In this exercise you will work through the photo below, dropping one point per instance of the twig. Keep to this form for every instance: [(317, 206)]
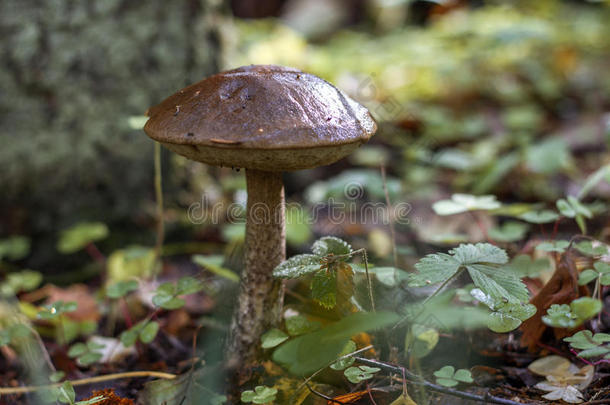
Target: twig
[(415, 379), (90, 380), (368, 280), (159, 200), (391, 219), (326, 397)]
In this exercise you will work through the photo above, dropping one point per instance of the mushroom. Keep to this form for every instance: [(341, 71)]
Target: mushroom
[(266, 119)]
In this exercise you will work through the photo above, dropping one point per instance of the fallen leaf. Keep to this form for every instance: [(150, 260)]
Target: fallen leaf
[(562, 288)]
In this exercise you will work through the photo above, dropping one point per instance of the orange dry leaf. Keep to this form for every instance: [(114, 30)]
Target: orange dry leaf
[(562, 288)]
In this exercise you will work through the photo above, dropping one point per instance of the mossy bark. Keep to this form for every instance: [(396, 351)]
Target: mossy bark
[(260, 297)]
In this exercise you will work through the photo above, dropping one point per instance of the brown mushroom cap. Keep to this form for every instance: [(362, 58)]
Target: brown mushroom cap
[(262, 117)]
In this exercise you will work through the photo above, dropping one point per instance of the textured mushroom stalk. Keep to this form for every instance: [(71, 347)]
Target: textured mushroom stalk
[(260, 297)]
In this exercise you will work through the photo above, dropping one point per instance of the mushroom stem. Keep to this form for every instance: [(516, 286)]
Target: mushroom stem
[(261, 295)]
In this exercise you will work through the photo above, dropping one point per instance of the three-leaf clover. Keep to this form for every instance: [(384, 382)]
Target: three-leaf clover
[(260, 395), (54, 310), (449, 377), (360, 373), (167, 294), (590, 344), (145, 331), (600, 272), (570, 316), (86, 354)]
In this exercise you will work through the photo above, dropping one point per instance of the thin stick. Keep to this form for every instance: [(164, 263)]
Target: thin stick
[(391, 219), (368, 280), (159, 200), (415, 379), (91, 380), (326, 397)]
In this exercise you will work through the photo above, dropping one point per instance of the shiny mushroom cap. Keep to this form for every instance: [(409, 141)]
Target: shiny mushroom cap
[(262, 117)]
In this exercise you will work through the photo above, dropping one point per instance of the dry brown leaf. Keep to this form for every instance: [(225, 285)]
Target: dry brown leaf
[(87, 307), (562, 288)]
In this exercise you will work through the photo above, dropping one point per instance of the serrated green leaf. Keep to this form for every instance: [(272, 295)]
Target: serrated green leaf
[(324, 288), (328, 245), (297, 266)]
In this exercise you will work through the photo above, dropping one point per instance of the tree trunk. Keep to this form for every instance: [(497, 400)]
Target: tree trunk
[(260, 298)]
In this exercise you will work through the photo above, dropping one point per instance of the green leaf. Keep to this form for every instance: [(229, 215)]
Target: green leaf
[(601, 174), (585, 308), (57, 308), (560, 316), (80, 235), (555, 246), (307, 353), (260, 395), (463, 375), (298, 325), (465, 202), (149, 332), (66, 393), (122, 288), (214, 264), (129, 337), (481, 261), (421, 340), (297, 266), (134, 261), (587, 276), (77, 349), (448, 377), (273, 338), (342, 364), (14, 248), (524, 266), (501, 323), (331, 245), (510, 231), (539, 217), (188, 285), (360, 373), (565, 208), (445, 372), (586, 248), (324, 288)]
